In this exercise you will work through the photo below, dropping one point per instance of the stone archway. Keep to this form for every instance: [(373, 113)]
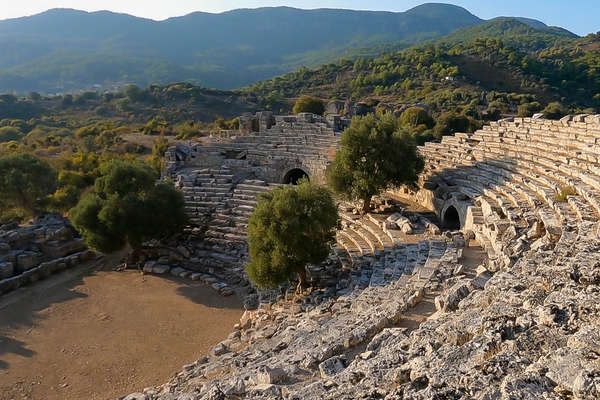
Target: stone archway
[(451, 219), (293, 176)]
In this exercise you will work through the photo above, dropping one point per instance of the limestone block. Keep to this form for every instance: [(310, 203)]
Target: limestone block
[(448, 301), (587, 385), (149, 266), (26, 261), (160, 269), (219, 350), (268, 375), (7, 269), (331, 367)]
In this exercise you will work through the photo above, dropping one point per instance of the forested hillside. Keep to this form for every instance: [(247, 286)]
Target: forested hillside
[(485, 77)]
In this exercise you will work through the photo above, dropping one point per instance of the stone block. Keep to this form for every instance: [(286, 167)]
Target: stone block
[(7, 269), (26, 261), (160, 269), (331, 367), (267, 375)]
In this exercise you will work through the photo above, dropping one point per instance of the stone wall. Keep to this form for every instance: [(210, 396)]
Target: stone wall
[(33, 252)]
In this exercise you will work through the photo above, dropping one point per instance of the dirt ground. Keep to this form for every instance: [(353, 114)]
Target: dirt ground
[(106, 334)]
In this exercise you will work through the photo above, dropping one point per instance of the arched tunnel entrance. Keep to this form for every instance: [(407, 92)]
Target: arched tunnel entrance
[(294, 176), (451, 219)]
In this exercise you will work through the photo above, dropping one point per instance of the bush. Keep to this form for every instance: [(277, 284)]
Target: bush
[(9, 133), (565, 191), (416, 116), (555, 111), (308, 104), (291, 227), (528, 109), (375, 154), (127, 207), (449, 123)]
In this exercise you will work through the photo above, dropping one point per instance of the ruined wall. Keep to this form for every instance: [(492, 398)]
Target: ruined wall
[(267, 147), (33, 252)]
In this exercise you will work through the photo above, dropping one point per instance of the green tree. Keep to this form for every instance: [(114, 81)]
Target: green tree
[(308, 104), (291, 227), (127, 207), (26, 182), (416, 116), (375, 154)]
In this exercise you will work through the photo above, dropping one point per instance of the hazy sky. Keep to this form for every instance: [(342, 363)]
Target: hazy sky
[(579, 16)]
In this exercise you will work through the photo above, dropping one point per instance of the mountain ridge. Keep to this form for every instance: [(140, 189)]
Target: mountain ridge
[(65, 50)]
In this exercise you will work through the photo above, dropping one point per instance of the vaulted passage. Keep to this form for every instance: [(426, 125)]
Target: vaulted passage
[(294, 176), (451, 220)]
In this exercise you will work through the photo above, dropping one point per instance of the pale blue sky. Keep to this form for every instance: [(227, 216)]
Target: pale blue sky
[(579, 16)]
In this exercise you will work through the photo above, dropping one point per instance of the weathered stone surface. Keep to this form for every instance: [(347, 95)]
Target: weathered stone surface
[(331, 367), (160, 269)]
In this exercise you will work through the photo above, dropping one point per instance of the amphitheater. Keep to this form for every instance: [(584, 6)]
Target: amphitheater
[(524, 325), (398, 311)]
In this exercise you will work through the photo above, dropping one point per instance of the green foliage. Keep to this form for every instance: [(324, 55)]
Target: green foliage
[(127, 207), (554, 111), (308, 104), (160, 146), (565, 191), (26, 181), (449, 123), (416, 116), (8, 133), (291, 227), (156, 126), (528, 109), (375, 154)]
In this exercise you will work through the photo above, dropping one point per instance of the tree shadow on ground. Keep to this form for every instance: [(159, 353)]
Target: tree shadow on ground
[(201, 293), (24, 307)]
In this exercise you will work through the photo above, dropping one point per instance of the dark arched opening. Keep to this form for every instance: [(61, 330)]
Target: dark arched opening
[(451, 219), (293, 176)]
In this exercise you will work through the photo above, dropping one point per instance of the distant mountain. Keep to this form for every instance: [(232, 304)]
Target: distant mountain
[(523, 33), (63, 50)]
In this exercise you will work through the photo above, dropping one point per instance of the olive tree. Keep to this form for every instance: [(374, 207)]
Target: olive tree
[(375, 154), (126, 206), (291, 227)]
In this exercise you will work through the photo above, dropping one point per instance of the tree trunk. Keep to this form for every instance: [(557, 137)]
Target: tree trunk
[(301, 281), (366, 205)]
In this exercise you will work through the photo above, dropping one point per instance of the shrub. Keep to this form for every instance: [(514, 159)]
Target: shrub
[(308, 104), (555, 111), (528, 109), (416, 116), (9, 133), (565, 191)]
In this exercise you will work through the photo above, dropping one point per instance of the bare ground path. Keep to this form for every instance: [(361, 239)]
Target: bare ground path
[(104, 334)]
